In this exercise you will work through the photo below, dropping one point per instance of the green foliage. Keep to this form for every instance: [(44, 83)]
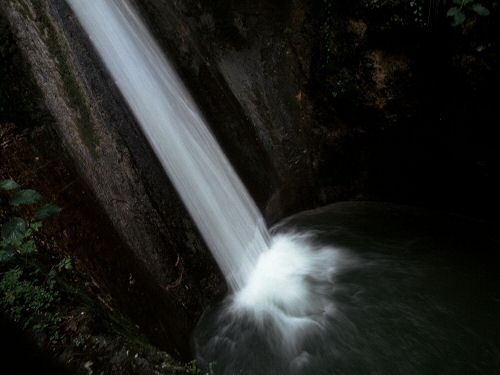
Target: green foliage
[(480, 10), (25, 300), (65, 264), (458, 16), (193, 368), (420, 12), (13, 229), (465, 10), (17, 232), (28, 293), (26, 197), (48, 297), (17, 238), (8, 185), (46, 212)]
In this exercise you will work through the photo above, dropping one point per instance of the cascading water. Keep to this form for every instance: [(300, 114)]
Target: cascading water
[(301, 305), (222, 209), (225, 214)]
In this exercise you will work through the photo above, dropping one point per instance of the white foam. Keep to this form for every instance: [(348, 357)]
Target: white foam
[(291, 288)]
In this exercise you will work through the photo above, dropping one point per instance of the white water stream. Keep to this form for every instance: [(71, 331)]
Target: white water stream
[(221, 207), (272, 284)]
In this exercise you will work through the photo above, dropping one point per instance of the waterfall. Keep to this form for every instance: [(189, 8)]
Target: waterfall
[(216, 199), (331, 293)]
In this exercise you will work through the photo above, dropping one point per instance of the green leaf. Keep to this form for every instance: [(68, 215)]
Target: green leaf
[(452, 11), (480, 10), (458, 16), (459, 19), (65, 264), (27, 196), (47, 211), (27, 247), (14, 229), (35, 226), (8, 185), (462, 2), (6, 255)]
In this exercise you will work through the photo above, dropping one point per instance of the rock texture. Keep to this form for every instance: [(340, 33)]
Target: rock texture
[(248, 65), (113, 158)]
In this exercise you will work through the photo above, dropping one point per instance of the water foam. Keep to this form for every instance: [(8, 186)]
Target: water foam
[(286, 304), (291, 288), (284, 276)]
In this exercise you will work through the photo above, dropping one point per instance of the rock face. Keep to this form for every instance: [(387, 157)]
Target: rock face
[(313, 102), (321, 101), (248, 64), (113, 158)]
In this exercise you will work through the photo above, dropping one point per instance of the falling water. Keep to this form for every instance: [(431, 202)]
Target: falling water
[(222, 209), (270, 280)]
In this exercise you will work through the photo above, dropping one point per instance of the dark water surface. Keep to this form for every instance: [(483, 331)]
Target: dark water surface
[(422, 297)]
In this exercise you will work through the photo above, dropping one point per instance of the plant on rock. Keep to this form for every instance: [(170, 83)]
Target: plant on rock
[(27, 289), (17, 232), (467, 9)]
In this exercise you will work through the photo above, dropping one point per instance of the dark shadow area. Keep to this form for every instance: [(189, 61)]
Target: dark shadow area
[(409, 105), (20, 355)]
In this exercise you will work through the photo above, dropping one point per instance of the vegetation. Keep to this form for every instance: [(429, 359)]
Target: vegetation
[(467, 10), (45, 295), (28, 292), (349, 30)]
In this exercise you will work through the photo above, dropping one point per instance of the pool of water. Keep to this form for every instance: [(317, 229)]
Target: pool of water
[(379, 289)]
